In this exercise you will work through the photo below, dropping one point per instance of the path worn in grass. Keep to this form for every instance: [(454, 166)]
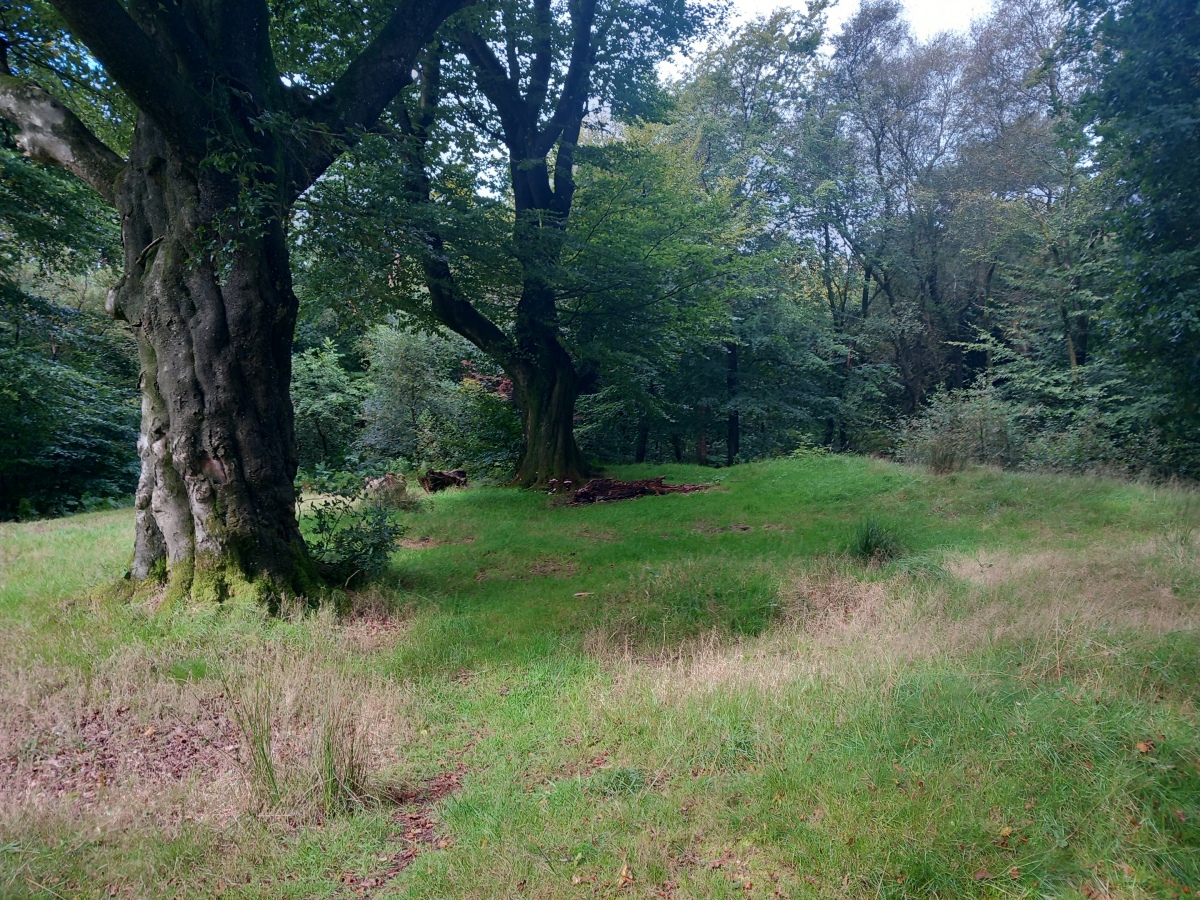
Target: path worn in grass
[(685, 696)]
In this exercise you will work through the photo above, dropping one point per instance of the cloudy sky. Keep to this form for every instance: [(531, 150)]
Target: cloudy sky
[(927, 16)]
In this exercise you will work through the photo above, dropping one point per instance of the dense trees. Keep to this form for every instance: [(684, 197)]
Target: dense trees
[(1145, 105), (67, 420)]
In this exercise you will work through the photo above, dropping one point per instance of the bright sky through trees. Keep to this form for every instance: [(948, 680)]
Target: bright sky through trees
[(928, 17)]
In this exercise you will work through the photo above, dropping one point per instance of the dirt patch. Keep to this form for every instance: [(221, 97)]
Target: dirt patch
[(416, 829), (421, 543), (368, 633), (735, 528), (113, 751), (597, 536), (556, 568)]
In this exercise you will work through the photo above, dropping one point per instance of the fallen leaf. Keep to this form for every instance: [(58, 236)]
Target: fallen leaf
[(149, 731), (626, 877), (983, 875), (1145, 746), (1005, 831), (1014, 873)]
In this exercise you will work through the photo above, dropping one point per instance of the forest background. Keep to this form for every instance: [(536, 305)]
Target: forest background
[(979, 248)]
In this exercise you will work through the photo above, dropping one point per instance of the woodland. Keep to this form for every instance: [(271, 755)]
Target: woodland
[(888, 347), (250, 246)]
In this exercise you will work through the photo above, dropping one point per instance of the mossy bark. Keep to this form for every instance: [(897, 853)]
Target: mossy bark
[(213, 310)]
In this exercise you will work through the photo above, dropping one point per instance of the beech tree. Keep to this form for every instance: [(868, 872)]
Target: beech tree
[(220, 145), (538, 71)]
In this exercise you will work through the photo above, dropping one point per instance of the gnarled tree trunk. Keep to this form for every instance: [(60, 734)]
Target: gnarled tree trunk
[(214, 314)]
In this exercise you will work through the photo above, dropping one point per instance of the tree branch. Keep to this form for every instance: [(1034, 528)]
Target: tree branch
[(543, 55), (494, 81), (53, 134), (370, 83), (131, 57), (446, 301), (575, 88)]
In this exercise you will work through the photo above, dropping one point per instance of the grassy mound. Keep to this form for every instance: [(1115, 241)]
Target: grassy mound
[(830, 677)]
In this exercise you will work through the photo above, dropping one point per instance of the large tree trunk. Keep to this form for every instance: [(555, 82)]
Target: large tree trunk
[(546, 390), (212, 306)]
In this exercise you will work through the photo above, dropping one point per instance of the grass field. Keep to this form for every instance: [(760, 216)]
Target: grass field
[(708, 695)]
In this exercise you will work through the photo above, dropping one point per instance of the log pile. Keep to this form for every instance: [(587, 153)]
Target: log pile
[(605, 490), (434, 481)]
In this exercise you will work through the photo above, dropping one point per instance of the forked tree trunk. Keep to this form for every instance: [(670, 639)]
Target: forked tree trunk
[(214, 314)]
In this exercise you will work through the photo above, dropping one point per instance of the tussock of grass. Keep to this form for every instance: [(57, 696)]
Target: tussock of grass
[(692, 696)]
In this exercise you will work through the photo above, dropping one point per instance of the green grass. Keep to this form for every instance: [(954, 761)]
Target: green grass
[(706, 695)]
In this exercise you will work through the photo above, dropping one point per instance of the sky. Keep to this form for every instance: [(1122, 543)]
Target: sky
[(927, 17)]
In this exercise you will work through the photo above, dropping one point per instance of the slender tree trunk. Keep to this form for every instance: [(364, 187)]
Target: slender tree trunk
[(643, 442), (733, 427), (215, 501)]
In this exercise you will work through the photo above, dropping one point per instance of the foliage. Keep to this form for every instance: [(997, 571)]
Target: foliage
[(351, 534), (413, 377), (327, 400), (68, 417), (477, 429), (1145, 108)]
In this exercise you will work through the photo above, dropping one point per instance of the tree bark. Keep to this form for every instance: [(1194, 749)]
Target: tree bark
[(215, 501), (733, 424), (643, 442), (546, 388)]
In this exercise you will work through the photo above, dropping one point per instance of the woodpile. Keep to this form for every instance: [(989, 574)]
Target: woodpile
[(606, 490), (434, 481)]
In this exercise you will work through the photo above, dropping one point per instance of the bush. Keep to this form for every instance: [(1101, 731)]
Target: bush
[(480, 431), (436, 403), (350, 531), (328, 400), (962, 427)]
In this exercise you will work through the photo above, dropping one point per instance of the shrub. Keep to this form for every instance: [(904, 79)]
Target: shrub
[(350, 531), (328, 400), (961, 427)]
